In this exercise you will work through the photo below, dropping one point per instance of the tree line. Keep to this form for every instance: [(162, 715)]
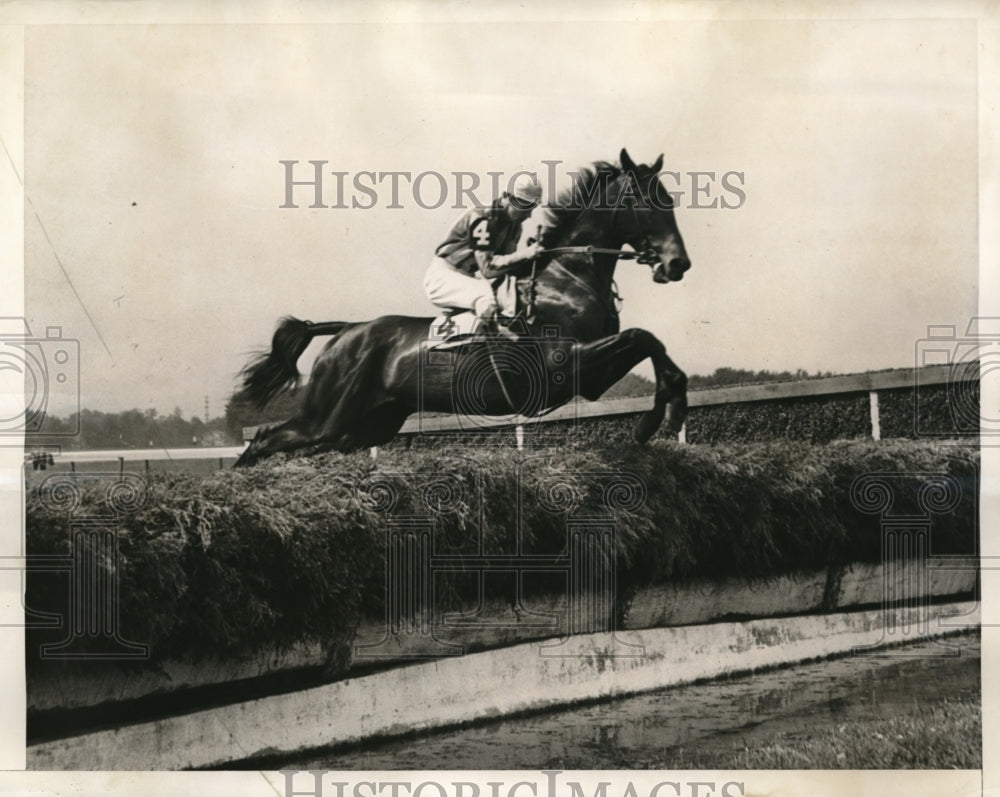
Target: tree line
[(147, 429), (93, 429)]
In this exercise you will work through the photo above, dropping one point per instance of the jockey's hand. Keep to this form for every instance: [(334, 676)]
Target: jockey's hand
[(515, 263), (525, 254), (486, 310)]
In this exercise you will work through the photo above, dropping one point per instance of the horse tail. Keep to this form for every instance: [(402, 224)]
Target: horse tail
[(274, 372)]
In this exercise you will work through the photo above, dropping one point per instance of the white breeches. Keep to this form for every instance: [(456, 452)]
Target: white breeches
[(449, 288)]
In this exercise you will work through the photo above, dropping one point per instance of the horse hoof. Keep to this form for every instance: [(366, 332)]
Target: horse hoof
[(648, 423), (676, 417), (675, 424)]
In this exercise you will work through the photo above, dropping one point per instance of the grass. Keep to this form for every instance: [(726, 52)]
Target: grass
[(941, 735)]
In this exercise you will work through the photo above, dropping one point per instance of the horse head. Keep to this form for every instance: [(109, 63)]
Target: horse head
[(608, 205), (648, 224)]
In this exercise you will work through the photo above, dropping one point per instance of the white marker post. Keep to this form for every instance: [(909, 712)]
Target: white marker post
[(873, 408)]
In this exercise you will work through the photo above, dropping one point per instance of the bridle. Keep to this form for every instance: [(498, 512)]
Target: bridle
[(643, 253)]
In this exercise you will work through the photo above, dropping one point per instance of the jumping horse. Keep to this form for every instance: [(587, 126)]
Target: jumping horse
[(372, 375)]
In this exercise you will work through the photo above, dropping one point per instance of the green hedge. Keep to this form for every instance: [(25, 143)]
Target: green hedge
[(290, 550), (933, 412), (815, 419)]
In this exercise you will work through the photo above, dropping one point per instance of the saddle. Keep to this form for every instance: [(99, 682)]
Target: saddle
[(456, 328), (454, 324), (462, 328)]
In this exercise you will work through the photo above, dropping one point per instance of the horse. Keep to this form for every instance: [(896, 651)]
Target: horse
[(372, 375)]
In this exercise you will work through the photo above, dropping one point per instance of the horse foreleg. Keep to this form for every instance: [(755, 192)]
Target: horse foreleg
[(605, 361)]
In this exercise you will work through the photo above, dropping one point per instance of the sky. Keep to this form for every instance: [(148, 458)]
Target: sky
[(154, 233)]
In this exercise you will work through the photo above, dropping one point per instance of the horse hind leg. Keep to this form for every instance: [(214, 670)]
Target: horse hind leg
[(288, 436), (352, 428)]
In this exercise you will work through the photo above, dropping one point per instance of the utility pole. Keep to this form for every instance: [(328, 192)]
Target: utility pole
[(206, 409)]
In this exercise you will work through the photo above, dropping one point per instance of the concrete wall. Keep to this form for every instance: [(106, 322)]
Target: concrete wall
[(516, 679), (68, 686)]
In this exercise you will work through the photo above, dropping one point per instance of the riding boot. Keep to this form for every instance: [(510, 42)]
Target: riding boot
[(492, 327), (506, 332)]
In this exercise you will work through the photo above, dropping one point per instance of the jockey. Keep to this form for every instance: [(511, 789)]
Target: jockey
[(482, 247)]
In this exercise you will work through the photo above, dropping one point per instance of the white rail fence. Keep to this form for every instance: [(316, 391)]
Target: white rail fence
[(870, 383), (834, 386)]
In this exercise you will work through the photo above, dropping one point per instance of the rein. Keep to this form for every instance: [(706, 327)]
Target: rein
[(622, 254), (499, 376), (644, 252)]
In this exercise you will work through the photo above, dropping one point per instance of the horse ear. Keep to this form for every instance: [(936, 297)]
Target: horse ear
[(628, 164), (658, 165)]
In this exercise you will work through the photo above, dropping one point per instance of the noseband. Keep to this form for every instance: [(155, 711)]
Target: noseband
[(647, 255)]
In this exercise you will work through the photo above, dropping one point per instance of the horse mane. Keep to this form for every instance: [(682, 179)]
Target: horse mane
[(562, 212)]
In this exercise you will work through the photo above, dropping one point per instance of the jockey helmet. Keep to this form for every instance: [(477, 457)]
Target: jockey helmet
[(525, 191)]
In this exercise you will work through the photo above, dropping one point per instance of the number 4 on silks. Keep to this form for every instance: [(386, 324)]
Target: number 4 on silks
[(480, 234)]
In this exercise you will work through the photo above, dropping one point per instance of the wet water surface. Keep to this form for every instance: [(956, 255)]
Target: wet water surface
[(717, 716)]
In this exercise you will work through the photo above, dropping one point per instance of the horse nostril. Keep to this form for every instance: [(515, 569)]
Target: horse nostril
[(681, 264)]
